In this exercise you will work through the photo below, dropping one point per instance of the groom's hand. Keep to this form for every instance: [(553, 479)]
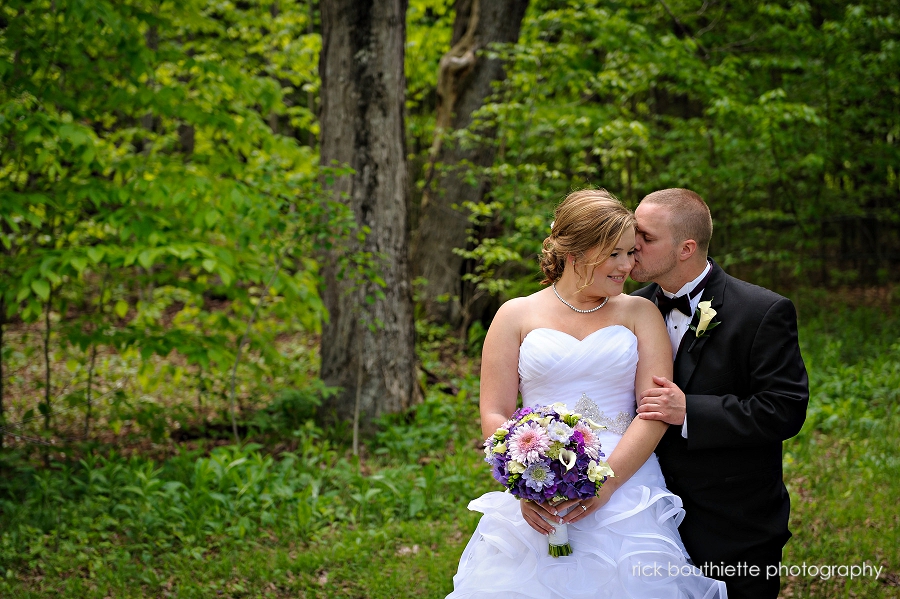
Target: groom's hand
[(665, 402)]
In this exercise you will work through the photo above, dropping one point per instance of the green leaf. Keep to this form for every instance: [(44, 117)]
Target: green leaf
[(121, 308), (32, 135), (95, 254), (226, 275), (79, 263), (212, 217), (146, 258), (41, 288)]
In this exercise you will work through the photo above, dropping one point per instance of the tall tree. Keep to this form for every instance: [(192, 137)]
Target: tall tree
[(465, 81), (368, 342)]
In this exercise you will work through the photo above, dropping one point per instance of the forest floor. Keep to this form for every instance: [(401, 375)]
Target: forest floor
[(297, 515)]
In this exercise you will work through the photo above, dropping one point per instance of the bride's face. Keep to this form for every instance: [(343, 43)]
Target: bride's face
[(610, 274)]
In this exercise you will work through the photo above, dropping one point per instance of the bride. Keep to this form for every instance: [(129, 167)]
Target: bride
[(584, 343)]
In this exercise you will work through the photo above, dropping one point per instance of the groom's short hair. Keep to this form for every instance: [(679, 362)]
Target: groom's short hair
[(689, 215)]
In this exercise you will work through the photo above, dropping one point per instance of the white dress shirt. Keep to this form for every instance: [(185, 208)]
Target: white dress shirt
[(677, 323)]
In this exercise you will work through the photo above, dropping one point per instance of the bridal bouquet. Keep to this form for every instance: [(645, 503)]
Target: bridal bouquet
[(548, 454)]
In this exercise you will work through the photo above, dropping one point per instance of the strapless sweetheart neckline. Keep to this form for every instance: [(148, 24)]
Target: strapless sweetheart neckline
[(585, 338)]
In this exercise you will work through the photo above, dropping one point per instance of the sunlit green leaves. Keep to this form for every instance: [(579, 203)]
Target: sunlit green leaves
[(155, 158), (42, 288), (782, 115)]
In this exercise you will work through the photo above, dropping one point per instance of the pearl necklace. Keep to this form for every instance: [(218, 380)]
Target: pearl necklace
[(606, 299)]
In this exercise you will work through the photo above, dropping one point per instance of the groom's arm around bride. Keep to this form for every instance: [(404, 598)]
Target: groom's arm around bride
[(739, 389)]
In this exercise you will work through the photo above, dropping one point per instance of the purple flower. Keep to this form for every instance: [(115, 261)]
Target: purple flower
[(586, 488), (578, 438), (571, 476), (498, 471), (590, 440), (520, 413), (489, 456), (538, 475)]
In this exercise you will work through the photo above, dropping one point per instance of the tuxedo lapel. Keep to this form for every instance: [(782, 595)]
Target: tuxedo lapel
[(691, 347), (649, 292)]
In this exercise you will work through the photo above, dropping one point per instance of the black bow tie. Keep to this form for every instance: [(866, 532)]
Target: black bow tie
[(666, 304), (682, 303)]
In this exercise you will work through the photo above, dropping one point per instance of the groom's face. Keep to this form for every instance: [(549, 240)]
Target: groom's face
[(655, 253)]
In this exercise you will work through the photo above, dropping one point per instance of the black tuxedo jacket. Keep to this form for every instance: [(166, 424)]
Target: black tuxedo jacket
[(747, 390)]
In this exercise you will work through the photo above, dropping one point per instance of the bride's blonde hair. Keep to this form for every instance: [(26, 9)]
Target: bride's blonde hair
[(586, 220)]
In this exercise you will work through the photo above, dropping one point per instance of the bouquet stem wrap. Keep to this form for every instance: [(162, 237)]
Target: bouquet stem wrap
[(559, 538)]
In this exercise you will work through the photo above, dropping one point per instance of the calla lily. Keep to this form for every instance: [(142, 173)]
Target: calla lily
[(567, 457), (594, 425), (500, 448), (706, 316), (561, 409)]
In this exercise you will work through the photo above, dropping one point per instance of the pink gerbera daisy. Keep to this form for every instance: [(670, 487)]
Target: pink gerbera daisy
[(591, 441), (528, 443)]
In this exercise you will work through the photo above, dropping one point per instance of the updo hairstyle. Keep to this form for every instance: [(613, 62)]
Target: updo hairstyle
[(587, 220)]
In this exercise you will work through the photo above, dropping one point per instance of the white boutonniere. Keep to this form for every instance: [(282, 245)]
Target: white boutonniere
[(706, 314), (705, 323)]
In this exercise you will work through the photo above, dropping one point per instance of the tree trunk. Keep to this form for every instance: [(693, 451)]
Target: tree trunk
[(2, 406), (367, 338), (464, 83), (48, 408)]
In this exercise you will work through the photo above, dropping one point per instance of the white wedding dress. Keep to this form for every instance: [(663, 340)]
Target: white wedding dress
[(628, 548)]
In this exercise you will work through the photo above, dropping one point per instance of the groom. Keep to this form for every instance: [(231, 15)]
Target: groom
[(740, 389)]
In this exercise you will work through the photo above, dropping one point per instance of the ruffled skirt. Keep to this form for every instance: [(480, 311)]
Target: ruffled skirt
[(628, 548)]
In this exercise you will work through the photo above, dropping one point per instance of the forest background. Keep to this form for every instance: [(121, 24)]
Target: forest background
[(249, 252)]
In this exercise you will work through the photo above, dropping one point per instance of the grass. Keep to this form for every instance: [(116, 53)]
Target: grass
[(316, 522), (843, 469), (403, 559)]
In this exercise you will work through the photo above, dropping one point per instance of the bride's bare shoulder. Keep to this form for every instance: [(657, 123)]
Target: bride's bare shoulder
[(642, 315), (637, 313), (641, 305), (519, 307), (518, 312)]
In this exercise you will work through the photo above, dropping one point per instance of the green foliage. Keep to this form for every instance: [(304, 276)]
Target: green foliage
[(313, 521), (429, 26), (427, 430), (854, 370), (154, 191), (783, 116), (842, 470), (290, 409), (111, 511)]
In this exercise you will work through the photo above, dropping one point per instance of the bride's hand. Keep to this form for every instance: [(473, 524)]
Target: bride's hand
[(532, 512), (582, 507)]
